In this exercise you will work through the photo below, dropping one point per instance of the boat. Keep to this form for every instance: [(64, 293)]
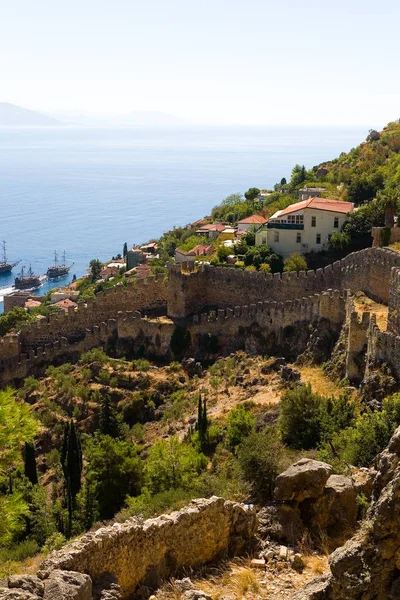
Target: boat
[(5, 266), (27, 281), (58, 269)]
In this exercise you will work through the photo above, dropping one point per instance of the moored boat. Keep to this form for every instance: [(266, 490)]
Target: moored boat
[(27, 281), (58, 269), (5, 266)]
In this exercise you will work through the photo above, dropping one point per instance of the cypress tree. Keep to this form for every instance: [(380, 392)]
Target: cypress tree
[(30, 463), (125, 251), (71, 461), (202, 422), (109, 422)]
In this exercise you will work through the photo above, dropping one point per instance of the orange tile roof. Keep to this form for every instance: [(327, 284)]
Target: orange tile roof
[(32, 303), (319, 204), (253, 219), (66, 303), (212, 227), (199, 250)]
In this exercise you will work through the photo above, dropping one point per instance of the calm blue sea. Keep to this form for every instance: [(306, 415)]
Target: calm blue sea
[(88, 191)]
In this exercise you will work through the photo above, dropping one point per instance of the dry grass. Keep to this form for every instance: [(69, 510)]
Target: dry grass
[(364, 304), (320, 383), (316, 564)]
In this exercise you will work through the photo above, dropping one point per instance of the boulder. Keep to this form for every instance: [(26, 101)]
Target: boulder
[(317, 589), (28, 583), (335, 512), (17, 594), (67, 585), (282, 523), (304, 479)]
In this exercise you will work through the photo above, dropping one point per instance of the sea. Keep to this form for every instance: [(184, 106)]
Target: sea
[(87, 191)]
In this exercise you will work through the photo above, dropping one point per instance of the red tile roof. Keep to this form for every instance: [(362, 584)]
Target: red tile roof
[(253, 220), (319, 204), (66, 303), (199, 250), (32, 304), (212, 227)]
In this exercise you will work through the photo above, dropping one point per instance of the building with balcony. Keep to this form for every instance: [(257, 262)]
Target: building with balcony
[(304, 226)]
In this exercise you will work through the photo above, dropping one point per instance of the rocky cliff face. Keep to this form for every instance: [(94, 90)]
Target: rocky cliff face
[(367, 567)]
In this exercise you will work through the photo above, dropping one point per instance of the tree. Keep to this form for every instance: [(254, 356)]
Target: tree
[(202, 423), (125, 250), (283, 181), (240, 424), (13, 320), (172, 465), (252, 194), (17, 426), (30, 463), (295, 262), (109, 422), (114, 472), (71, 462), (95, 269), (260, 456)]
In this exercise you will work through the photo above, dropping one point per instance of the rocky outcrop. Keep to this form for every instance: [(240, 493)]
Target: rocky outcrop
[(367, 567), (310, 500)]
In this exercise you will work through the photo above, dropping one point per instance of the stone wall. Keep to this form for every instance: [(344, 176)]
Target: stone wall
[(136, 553), (190, 291)]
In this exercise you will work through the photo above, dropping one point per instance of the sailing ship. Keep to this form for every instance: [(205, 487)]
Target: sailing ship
[(5, 266), (58, 269), (27, 281)]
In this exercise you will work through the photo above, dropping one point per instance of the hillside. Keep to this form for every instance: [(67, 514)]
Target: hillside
[(16, 116)]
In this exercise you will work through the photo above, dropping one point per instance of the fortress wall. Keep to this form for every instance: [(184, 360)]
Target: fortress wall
[(143, 295), (191, 291), (357, 341), (394, 302), (145, 553)]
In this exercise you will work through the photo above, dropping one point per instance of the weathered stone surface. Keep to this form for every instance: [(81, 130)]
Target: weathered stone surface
[(335, 512), (196, 595), (17, 594), (318, 589), (29, 583), (138, 553), (184, 585), (67, 585), (304, 479), (282, 523), (363, 480), (367, 567)]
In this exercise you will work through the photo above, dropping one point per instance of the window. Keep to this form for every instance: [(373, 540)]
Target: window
[(318, 239), (298, 238), (296, 219), (313, 221), (276, 236), (336, 222)]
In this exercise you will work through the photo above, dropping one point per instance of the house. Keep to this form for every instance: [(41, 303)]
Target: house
[(62, 294), (65, 305), (304, 227), (309, 192), (248, 222), (211, 230), (142, 271), (150, 248), (191, 255), (109, 271), (32, 304)]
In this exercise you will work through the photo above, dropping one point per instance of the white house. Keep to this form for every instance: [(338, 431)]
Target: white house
[(245, 224), (304, 227)]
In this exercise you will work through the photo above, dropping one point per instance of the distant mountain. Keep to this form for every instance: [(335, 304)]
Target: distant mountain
[(16, 116), (133, 119)]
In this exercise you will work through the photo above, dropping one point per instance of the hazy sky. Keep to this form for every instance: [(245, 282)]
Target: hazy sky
[(220, 61)]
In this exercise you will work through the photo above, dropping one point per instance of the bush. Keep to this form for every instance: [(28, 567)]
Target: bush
[(95, 355), (295, 262), (306, 419), (180, 340), (259, 456), (141, 364), (240, 424)]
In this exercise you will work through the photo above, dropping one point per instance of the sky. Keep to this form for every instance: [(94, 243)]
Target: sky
[(245, 62)]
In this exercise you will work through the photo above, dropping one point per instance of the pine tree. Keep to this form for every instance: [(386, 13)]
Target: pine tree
[(30, 463), (109, 422), (125, 251), (71, 461)]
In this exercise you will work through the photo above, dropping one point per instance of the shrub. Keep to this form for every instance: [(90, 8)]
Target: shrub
[(95, 355), (54, 542), (259, 456), (141, 364), (180, 340), (240, 424)]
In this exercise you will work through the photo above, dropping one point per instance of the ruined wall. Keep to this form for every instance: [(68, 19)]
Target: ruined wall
[(190, 291), (357, 342), (145, 553)]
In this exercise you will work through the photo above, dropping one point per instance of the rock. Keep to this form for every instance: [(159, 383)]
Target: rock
[(282, 523), (257, 563), (196, 595), (184, 585), (304, 479), (335, 512), (29, 583), (143, 593), (17, 594), (67, 585), (283, 552), (289, 374), (297, 562), (363, 480), (269, 555), (317, 589)]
